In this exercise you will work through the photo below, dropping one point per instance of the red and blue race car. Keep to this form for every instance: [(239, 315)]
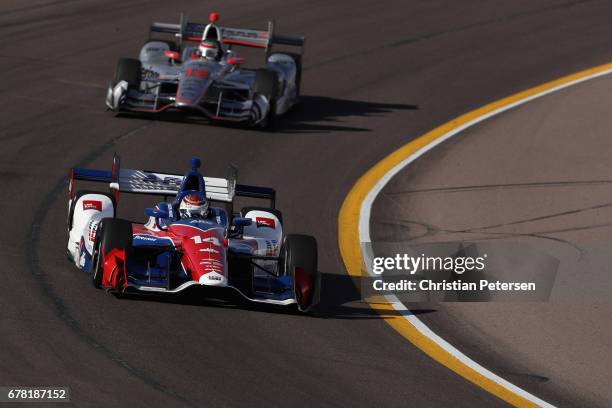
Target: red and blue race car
[(215, 250)]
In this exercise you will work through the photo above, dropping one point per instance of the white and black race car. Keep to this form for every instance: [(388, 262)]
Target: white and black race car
[(199, 73)]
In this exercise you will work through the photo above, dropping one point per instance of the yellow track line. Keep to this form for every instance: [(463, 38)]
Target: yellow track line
[(349, 234)]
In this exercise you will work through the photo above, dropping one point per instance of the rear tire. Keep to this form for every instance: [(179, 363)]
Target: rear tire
[(129, 70), (172, 44), (80, 194), (300, 251), (298, 71), (274, 211), (112, 233)]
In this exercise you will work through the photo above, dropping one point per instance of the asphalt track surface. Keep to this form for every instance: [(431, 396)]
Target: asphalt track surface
[(547, 200), (374, 78)]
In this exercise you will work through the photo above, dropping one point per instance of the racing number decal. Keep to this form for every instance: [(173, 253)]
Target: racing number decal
[(198, 240)]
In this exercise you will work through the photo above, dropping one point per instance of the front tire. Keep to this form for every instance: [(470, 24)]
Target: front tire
[(300, 262), (128, 70), (266, 84), (112, 233)]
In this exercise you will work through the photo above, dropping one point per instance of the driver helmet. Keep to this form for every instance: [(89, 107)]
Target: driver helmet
[(194, 205), (210, 50)]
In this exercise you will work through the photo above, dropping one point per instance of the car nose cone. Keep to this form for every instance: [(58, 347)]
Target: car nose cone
[(213, 279)]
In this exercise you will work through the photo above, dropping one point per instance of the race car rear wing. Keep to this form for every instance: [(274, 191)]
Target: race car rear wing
[(163, 184), (186, 31)]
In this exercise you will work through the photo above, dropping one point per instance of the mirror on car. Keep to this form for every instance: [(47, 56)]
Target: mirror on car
[(173, 55), (235, 61), (241, 222), (157, 213)]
